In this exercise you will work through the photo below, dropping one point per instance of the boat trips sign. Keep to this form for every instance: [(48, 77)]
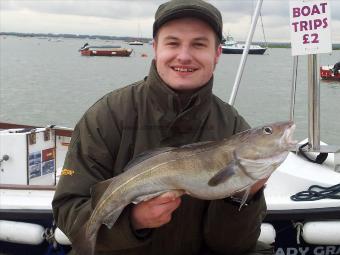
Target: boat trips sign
[(310, 27)]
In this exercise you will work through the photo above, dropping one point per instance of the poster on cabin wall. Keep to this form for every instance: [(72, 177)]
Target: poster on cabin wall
[(41, 167), (48, 157), (310, 25), (41, 157), (34, 164)]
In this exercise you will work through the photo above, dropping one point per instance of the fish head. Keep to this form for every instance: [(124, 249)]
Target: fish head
[(276, 136), (264, 148)]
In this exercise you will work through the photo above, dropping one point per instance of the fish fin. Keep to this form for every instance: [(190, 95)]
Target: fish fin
[(252, 168), (223, 174), (111, 218), (84, 243), (176, 193), (145, 155), (194, 145), (244, 198), (147, 197)]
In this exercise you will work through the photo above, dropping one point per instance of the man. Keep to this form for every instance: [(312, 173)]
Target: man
[(336, 68), (173, 106)]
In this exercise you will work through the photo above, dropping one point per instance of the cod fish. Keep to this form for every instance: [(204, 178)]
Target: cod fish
[(206, 170)]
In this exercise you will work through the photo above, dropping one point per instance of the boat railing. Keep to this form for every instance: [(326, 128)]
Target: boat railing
[(60, 130), (27, 187)]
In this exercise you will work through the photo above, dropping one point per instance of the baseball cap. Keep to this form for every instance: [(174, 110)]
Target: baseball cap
[(200, 9)]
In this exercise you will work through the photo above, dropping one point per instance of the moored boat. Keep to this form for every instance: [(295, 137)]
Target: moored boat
[(327, 73), (229, 46), (139, 43), (105, 50), (239, 48)]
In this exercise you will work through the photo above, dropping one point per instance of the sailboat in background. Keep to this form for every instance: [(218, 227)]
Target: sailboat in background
[(137, 42), (230, 46)]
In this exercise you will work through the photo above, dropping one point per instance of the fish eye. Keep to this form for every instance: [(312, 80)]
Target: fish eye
[(267, 130)]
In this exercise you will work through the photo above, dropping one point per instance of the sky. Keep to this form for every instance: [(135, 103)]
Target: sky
[(135, 17)]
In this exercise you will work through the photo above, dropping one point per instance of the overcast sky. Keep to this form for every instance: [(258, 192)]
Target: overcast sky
[(135, 18)]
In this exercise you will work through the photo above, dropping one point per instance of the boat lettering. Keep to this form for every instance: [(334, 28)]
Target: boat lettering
[(326, 250), (317, 250), (292, 251)]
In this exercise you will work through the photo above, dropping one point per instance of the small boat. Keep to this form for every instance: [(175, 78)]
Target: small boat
[(229, 46), (328, 73), (105, 50), (136, 43)]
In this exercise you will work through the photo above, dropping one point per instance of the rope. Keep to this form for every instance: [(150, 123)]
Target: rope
[(317, 192), (264, 35), (319, 159), (262, 26), (53, 247), (299, 230)]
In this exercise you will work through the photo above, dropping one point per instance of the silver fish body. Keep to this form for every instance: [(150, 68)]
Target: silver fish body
[(208, 170)]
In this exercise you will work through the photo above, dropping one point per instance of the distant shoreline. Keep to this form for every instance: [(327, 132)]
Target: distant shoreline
[(336, 46), (74, 36)]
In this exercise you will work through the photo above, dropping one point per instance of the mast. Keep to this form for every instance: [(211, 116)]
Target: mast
[(245, 52)]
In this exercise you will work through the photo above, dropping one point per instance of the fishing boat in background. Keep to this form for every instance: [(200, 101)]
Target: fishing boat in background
[(230, 46), (328, 73), (105, 50), (137, 40)]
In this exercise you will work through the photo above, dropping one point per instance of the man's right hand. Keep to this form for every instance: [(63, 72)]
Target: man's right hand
[(155, 212)]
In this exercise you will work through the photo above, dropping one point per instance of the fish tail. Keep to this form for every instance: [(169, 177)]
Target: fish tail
[(84, 242)]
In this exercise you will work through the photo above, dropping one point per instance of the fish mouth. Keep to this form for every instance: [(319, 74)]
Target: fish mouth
[(288, 137)]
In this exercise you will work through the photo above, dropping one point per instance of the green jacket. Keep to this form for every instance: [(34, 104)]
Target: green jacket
[(132, 120)]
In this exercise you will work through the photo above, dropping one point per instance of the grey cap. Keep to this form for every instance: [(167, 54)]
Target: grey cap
[(176, 9)]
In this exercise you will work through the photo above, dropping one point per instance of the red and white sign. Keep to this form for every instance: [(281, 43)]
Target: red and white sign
[(310, 27)]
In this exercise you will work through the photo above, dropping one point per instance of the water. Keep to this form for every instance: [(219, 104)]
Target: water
[(48, 82)]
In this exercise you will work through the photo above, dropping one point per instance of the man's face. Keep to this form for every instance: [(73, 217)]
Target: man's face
[(186, 53)]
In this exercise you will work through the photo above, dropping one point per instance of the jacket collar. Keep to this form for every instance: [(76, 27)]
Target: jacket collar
[(178, 125), (169, 100)]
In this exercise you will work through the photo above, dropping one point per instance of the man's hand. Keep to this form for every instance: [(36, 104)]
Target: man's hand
[(154, 212), (257, 186)]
